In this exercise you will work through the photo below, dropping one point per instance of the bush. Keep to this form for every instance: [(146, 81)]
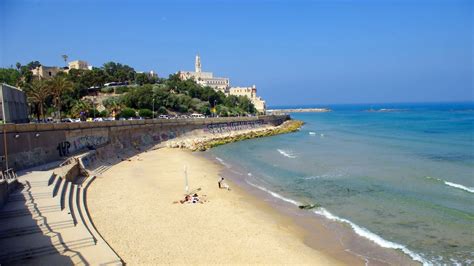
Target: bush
[(127, 113), (162, 110), (146, 113), (121, 89), (104, 113), (107, 90)]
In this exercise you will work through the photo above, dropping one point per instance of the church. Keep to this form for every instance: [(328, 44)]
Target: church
[(223, 85), (205, 78)]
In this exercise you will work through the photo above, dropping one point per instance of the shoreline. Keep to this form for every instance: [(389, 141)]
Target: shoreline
[(242, 228), (307, 227), (340, 240)]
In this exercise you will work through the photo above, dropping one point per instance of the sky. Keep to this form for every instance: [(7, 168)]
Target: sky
[(295, 52)]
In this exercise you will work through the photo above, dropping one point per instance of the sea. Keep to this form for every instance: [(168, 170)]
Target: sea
[(400, 176)]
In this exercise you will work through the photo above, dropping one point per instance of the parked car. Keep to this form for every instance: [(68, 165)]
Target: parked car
[(196, 115), (164, 117), (67, 120)]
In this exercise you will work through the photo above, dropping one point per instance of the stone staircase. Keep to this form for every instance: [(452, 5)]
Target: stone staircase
[(46, 221)]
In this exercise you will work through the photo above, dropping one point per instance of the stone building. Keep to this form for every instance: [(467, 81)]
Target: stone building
[(251, 93), (205, 78), (78, 64), (13, 105), (44, 72)]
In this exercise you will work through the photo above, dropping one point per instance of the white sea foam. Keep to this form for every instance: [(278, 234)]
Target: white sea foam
[(249, 174), (468, 189), (274, 194), (361, 231), (222, 162), (312, 133), (286, 153), (454, 185)]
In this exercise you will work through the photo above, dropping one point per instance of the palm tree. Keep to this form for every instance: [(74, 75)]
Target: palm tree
[(58, 86), (65, 57), (37, 92), (80, 106)]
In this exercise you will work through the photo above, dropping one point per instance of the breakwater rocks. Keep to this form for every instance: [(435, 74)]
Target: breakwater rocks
[(202, 143), (300, 110)]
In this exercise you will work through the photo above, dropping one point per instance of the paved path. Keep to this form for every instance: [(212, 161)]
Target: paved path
[(46, 222)]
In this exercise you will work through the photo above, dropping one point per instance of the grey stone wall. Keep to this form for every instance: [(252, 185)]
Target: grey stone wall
[(35, 144)]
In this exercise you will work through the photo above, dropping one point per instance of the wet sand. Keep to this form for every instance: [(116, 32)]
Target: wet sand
[(132, 207)]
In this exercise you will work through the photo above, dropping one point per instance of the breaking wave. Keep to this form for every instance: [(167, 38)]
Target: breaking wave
[(286, 153), (454, 185), (361, 231), (222, 162)]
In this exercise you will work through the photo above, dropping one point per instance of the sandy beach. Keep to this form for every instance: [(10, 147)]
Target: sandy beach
[(132, 207)]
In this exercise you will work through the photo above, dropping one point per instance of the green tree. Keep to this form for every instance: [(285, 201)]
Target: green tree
[(10, 76), (162, 110), (59, 85), (80, 106), (37, 93), (127, 113), (141, 79), (146, 113)]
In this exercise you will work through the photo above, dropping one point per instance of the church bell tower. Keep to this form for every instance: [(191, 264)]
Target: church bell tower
[(197, 64)]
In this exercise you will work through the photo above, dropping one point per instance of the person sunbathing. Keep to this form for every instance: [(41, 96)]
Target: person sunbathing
[(186, 199)]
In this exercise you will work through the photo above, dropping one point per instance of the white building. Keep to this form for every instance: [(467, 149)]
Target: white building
[(205, 78), (78, 64), (251, 93)]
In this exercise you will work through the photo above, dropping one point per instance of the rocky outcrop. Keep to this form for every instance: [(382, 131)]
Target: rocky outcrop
[(202, 143)]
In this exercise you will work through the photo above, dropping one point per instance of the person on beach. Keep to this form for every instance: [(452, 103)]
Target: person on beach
[(186, 199), (192, 199), (222, 184)]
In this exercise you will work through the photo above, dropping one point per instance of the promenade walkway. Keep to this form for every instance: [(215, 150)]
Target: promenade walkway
[(46, 222)]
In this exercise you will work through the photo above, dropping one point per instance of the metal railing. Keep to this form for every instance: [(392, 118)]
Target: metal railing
[(8, 175)]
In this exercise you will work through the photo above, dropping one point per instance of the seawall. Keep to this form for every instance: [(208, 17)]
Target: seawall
[(29, 145)]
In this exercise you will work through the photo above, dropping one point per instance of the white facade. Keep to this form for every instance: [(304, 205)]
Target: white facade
[(78, 64), (251, 93), (205, 78)]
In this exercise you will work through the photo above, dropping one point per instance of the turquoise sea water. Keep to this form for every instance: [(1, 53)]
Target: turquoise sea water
[(399, 175)]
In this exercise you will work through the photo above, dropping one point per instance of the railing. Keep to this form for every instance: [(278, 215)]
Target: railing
[(8, 175)]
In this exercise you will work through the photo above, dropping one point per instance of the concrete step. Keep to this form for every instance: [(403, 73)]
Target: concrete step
[(28, 211), (37, 228), (22, 256), (57, 185)]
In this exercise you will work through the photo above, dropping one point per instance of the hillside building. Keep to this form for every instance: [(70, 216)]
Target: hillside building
[(78, 64), (205, 78), (251, 93), (45, 72)]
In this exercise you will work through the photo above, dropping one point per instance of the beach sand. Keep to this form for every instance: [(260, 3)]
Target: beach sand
[(132, 207)]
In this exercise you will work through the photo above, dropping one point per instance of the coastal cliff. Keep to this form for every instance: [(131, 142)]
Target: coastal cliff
[(205, 142)]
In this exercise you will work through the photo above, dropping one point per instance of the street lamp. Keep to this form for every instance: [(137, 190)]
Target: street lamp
[(153, 112), (93, 106)]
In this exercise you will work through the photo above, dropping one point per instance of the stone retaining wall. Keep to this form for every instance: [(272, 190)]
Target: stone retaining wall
[(35, 144)]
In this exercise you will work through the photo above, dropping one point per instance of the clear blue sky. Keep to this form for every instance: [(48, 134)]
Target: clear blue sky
[(296, 52)]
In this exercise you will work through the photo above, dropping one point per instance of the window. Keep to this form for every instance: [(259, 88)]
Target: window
[(49, 73)]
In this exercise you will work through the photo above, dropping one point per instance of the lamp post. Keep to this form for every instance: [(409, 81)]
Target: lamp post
[(93, 106), (153, 112), (214, 108)]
